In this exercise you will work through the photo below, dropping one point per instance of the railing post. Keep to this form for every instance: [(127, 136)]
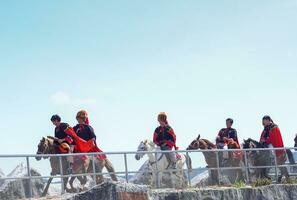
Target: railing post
[(61, 173), (29, 175), (126, 167), (246, 167), (157, 171), (275, 165), (188, 164), (94, 168), (218, 167)]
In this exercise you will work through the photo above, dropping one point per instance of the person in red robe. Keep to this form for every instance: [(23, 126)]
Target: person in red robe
[(272, 136), (84, 136)]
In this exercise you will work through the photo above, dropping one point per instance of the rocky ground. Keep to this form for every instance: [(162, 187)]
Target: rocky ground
[(124, 191)]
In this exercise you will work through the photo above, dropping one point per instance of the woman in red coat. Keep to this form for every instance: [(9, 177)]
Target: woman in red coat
[(272, 136)]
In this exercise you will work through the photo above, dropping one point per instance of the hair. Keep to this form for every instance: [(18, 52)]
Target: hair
[(229, 120), (267, 117), (56, 118), (82, 114), (162, 117)]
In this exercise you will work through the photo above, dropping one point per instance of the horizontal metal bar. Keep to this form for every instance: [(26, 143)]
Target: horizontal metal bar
[(139, 152)]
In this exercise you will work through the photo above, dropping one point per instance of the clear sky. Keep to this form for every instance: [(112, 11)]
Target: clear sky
[(125, 61)]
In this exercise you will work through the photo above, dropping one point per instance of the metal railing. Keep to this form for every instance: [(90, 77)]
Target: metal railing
[(126, 172)]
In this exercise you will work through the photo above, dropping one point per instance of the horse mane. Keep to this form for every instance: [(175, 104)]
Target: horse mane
[(149, 142), (258, 144), (209, 143), (50, 142)]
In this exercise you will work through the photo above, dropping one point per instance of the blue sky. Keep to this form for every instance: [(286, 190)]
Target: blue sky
[(125, 61)]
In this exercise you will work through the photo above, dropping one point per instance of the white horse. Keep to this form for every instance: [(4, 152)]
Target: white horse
[(159, 163)]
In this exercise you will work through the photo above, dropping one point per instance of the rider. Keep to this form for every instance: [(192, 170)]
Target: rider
[(225, 134), (86, 132), (63, 140), (272, 137), (165, 138)]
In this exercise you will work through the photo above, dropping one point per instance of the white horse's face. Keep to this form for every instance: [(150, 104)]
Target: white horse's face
[(142, 147)]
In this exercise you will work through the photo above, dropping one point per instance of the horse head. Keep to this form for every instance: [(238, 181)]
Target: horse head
[(43, 147), (144, 146), (194, 145)]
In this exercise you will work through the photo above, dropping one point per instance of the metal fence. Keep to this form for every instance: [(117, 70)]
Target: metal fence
[(247, 166)]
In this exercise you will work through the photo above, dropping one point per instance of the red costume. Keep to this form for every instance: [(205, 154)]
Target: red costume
[(83, 146), (272, 135)]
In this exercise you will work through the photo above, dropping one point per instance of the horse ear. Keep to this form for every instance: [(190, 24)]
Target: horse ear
[(43, 139), (198, 137)]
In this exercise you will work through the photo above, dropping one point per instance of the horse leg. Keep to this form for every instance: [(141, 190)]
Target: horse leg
[(215, 176), (46, 187), (108, 165), (72, 188), (83, 181), (65, 181), (98, 168), (154, 181)]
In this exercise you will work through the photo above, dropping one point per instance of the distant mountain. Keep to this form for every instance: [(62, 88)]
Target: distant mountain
[(19, 188), (1, 175)]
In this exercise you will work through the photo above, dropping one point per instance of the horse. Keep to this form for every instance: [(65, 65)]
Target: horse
[(263, 158), (47, 146), (160, 163), (235, 159), (210, 156)]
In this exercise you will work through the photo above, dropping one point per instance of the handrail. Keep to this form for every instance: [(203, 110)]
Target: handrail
[(126, 172), (135, 152)]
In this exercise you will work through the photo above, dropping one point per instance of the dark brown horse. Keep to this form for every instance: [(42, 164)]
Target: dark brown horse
[(263, 158), (48, 146)]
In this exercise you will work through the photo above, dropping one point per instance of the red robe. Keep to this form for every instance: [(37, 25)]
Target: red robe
[(274, 138), (83, 146)]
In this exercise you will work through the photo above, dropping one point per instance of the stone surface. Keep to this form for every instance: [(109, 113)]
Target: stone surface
[(114, 191), (123, 191)]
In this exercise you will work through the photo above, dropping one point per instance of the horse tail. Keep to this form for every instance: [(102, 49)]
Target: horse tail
[(290, 156), (108, 165), (189, 162)]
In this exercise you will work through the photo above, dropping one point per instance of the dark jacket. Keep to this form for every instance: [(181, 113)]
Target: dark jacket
[(228, 133), (84, 131), (165, 136), (61, 134)]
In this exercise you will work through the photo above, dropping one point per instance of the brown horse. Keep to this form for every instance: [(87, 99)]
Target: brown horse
[(48, 146), (210, 157), (235, 159)]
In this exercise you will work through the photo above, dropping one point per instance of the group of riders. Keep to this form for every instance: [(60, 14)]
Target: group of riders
[(81, 138)]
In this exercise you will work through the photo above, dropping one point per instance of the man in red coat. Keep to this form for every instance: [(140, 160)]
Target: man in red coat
[(272, 136)]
